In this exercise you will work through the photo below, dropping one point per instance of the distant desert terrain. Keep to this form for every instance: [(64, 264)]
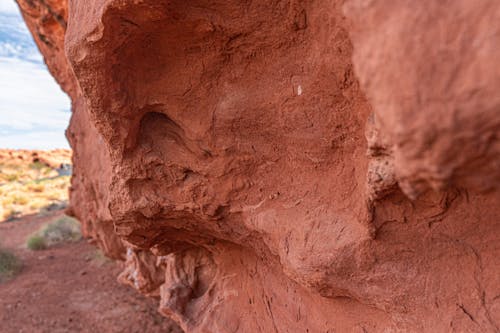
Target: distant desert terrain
[(33, 181)]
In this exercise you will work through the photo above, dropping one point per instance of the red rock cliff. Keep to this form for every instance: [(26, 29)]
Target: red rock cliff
[(288, 166)]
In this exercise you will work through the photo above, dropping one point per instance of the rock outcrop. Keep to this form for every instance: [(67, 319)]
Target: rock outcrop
[(288, 166)]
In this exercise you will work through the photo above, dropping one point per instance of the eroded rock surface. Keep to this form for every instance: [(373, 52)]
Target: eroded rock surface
[(227, 152)]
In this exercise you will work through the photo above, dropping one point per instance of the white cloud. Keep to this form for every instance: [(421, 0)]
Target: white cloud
[(8, 7), (29, 97), (34, 111), (34, 140)]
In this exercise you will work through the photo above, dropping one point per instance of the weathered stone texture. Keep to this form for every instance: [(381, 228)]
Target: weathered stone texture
[(228, 152)]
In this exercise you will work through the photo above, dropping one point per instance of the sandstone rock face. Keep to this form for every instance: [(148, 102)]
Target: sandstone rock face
[(226, 151), (431, 72)]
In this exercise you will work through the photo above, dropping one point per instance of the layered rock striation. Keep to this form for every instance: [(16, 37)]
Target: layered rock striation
[(288, 166)]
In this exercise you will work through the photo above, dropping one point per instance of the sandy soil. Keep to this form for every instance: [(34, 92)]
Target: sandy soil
[(69, 288)]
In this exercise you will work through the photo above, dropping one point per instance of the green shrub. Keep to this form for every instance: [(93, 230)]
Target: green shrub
[(46, 171), (11, 177), (64, 229), (20, 200), (37, 165), (36, 242), (36, 187), (10, 214), (99, 258), (9, 265)]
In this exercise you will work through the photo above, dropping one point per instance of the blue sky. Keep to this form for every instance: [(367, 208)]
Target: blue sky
[(34, 111)]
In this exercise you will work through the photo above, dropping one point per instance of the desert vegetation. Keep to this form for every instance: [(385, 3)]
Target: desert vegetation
[(62, 230), (32, 182), (43, 291), (9, 265)]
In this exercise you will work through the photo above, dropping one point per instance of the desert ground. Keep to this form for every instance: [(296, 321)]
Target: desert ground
[(69, 287), (51, 278)]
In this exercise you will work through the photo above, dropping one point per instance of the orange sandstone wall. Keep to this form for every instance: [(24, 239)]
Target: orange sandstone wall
[(288, 166)]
